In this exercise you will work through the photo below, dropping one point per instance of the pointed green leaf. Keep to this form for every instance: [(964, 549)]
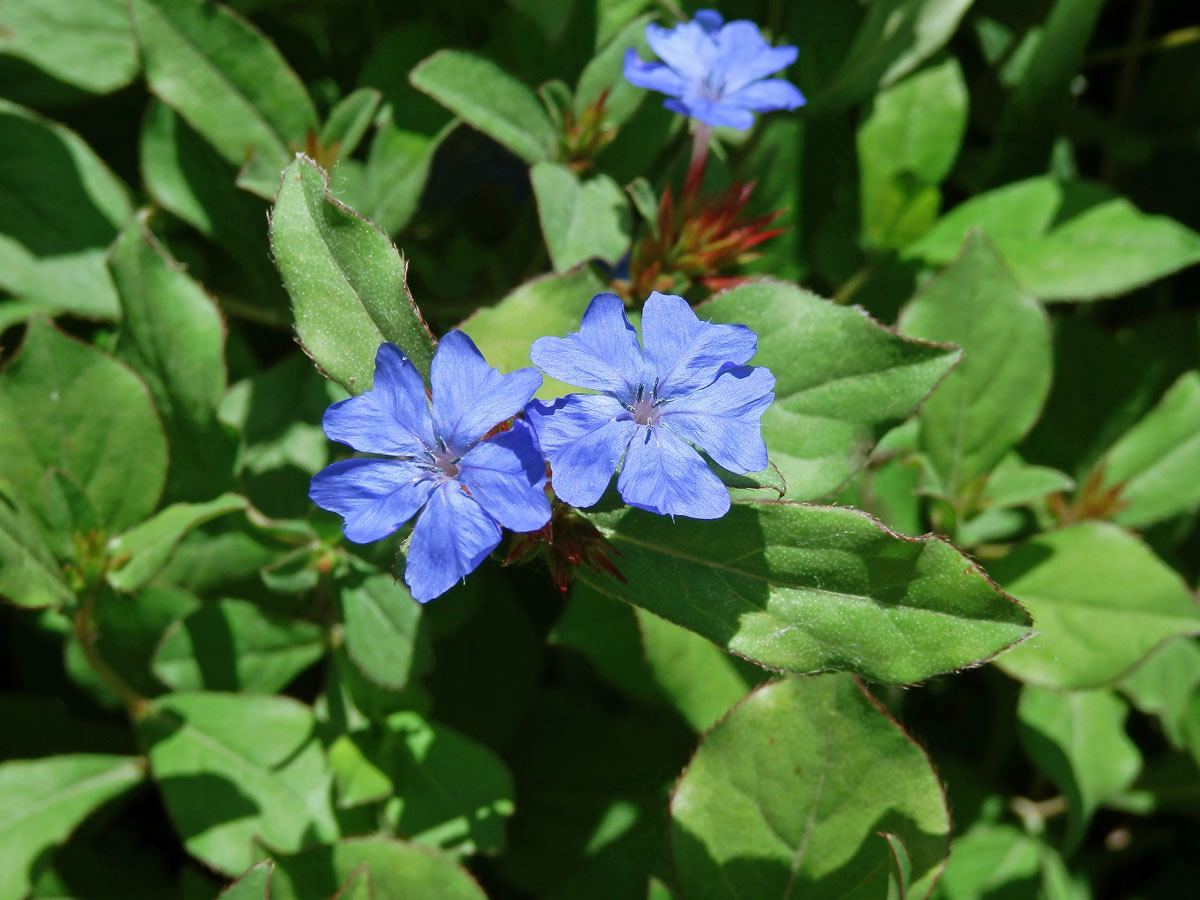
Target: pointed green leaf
[(802, 791), (235, 768), (43, 800), (1015, 483), (140, 552), (65, 405), (232, 645), (173, 336), (1078, 739), (60, 208), (349, 121), (989, 859), (1101, 601), (1066, 241), (487, 98), (604, 75), (555, 302), (1157, 462), (383, 631), (397, 169), (581, 220), (811, 588), (254, 885), (396, 869), (228, 81), (346, 280), (993, 398), (842, 380)]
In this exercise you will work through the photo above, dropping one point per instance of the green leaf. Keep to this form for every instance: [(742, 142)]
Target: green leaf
[(811, 588), (384, 631), (236, 768), (346, 280), (1016, 483), (1101, 601), (842, 380), (987, 859), (1157, 462), (605, 72), (995, 395), (651, 658), (228, 81), (487, 98), (580, 220), (232, 645), (555, 302), (452, 792), (1066, 241), (254, 885), (791, 794), (397, 169), (907, 145), (895, 37), (173, 336), (29, 574), (140, 552), (1078, 739), (43, 800), (348, 121), (67, 406), (60, 207), (395, 868), (1163, 686), (87, 44)]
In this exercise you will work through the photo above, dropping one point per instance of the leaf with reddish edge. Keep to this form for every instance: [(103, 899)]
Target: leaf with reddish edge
[(810, 589), (254, 885), (808, 788)]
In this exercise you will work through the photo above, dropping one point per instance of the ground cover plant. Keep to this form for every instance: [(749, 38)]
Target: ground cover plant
[(599, 449)]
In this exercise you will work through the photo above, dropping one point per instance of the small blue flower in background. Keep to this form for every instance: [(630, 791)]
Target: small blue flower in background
[(464, 486), (714, 72), (688, 386)]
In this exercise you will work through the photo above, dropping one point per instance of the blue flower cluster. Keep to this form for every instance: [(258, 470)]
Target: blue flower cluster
[(715, 71), (467, 464)]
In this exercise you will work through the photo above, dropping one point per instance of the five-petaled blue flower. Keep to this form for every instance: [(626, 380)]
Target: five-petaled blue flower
[(714, 72), (469, 486), (688, 386)]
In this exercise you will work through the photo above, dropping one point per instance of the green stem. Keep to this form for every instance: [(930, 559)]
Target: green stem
[(854, 284), (85, 633)]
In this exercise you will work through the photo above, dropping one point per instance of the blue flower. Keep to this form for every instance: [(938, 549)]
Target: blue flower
[(464, 486), (714, 72), (689, 386)]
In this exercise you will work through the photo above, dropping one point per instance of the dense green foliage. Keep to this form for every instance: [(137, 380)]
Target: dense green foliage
[(944, 646)]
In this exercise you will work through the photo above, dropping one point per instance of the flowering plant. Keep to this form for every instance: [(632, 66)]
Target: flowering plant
[(548, 533)]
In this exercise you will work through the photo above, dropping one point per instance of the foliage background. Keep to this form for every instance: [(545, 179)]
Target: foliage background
[(199, 675)]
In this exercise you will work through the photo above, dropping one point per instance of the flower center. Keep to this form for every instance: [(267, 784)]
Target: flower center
[(445, 461), (646, 408), (712, 87)]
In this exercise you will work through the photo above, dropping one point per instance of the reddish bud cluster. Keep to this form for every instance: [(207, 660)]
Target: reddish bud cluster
[(583, 137), (696, 240), (567, 542)]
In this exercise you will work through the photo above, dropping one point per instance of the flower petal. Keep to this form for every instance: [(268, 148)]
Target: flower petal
[(710, 112), (745, 56), (653, 76), (724, 419), (506, 475), (392, 418), (375, 497), (764, 96), (583, 437), (684, 353), (708, 19), (602, 355), (664, 475), (687, 48), (469, 396), (450, 539)]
